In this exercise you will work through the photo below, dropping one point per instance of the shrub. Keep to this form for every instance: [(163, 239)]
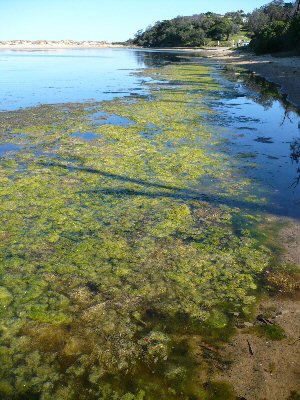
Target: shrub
[(272, 38)]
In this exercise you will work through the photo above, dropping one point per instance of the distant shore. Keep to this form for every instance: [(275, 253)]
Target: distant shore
[(55, 44)]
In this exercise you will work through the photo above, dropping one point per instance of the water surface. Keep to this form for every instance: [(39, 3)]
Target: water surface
[(29, 78), (263, 132)]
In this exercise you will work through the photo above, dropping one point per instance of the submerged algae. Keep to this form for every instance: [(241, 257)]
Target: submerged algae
[(112, 257)]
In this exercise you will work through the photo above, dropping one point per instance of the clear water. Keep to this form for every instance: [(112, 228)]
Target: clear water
[(8, 147), (263, 132), (86, 135), (29, 78)]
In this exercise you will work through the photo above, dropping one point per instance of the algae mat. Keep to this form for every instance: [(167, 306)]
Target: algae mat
[(121, 242)]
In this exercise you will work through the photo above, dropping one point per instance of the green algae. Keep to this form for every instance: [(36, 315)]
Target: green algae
[(5, 297), (217, 391), (272, 332), (113, 249), (295, 395)]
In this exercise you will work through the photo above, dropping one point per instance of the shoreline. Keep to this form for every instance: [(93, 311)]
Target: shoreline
[(57, 44), (283, 71), (60, 47), (271, 370)]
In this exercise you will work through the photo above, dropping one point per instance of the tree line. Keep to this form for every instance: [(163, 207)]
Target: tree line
[(190, 31), (273, 27)]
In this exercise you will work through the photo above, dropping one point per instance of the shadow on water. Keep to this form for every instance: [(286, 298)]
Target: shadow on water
[(168, 191)]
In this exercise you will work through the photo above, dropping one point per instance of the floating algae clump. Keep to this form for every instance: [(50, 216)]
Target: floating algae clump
[(114, 249)]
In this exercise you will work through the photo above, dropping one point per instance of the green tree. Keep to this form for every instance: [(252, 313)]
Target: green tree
[(257, 21), (223, 28)]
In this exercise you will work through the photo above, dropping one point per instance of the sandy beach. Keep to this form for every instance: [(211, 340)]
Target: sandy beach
[(53, 45)]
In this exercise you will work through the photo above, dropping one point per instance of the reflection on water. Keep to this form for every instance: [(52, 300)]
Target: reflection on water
[(295, 157), (262, 131), (154, 58), (295, 150)]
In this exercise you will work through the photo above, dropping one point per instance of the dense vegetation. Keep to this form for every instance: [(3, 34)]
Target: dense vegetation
[(275, 27), (196, 30)]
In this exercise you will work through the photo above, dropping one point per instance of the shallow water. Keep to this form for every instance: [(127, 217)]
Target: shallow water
[(134, 230), (263, 133), (86, 135), (29, 78), (7, 147)]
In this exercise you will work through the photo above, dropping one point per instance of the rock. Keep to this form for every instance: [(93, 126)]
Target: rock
[(243, 324)]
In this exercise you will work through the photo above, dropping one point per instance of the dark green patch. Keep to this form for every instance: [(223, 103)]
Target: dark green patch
[(295, 395), (216, 391), (272, 332)]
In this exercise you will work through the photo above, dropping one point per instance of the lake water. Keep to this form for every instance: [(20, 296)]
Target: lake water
[(29, 78), (136, 190)]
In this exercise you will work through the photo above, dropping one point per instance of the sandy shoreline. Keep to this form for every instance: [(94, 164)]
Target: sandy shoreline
[(60, 47), (283, 71), (272, 371)]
